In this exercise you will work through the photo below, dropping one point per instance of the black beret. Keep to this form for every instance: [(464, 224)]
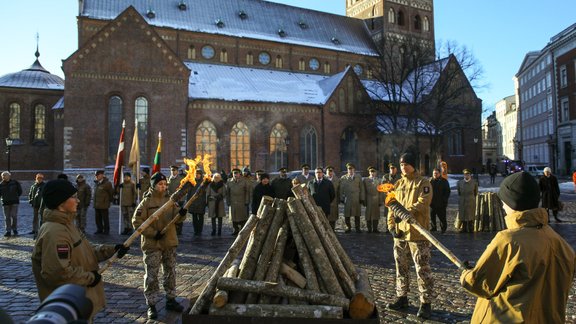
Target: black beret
[(520, 191), (408, 158), (56, 192), (157, 177)]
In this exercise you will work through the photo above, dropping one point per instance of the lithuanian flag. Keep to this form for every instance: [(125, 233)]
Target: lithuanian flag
[(156, 166)]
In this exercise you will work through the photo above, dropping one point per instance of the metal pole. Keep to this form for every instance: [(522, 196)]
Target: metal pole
[(8, 152)]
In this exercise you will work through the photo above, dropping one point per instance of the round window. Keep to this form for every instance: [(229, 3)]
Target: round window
[(314, 64), (358, 69), (264, 58), (207, 52)]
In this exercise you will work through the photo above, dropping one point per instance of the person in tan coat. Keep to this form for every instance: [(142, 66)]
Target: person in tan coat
[(128, 197), (352, 195), (238, 199), (103, 193), (526, 272), (374, 200), (62, 254), (159, 249)]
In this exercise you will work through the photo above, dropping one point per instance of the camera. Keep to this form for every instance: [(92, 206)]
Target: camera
[(66, 304)]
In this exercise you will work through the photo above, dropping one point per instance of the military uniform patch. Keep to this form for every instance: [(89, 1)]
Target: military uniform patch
[(63, 251), (426, 190)]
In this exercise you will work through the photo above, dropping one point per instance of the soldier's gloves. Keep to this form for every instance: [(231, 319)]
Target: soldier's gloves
[(121, 250), (97, 279), (466, 266), (158, 236), (397, 233), (138, 186), (182, 212), (397, 219)]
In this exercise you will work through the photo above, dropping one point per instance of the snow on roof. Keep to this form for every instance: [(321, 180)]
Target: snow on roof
[(255, 19), (232, 83), (35, 77), (59, 104)]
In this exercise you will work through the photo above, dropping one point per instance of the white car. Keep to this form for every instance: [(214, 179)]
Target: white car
[(535, 170)]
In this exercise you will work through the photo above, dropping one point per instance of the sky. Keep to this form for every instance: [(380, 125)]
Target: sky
[(498, 33)]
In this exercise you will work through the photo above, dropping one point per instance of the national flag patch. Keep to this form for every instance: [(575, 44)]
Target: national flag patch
[(63, 251)]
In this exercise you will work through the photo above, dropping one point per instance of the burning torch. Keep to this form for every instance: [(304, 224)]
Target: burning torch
[(402, 214)]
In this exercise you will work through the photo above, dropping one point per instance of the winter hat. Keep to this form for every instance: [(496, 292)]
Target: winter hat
[(157, 177), (520, 191), (56, 192), (408, 158)]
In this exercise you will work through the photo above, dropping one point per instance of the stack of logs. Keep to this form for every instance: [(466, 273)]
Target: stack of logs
[(293, 266), (489, 213)]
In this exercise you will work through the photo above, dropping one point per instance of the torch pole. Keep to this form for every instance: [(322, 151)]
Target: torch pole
[(401, 212), (174, 198), (199, 192)]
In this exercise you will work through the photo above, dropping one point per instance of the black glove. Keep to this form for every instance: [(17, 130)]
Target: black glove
[(158, 235), (97, 279), (121, 250), (138, 186), (182, 212), (121, 185), (397, 219), (134, 205), (397, 234), (466, 266)]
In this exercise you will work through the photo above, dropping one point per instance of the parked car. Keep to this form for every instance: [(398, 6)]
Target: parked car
[(535, 170)]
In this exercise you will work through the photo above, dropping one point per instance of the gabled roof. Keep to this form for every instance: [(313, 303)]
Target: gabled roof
[(35, 77), (255, 19), (232, 83)]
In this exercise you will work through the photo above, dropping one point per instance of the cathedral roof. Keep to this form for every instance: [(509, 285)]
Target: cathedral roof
[(232, 83), (35, 77), (254, 19)]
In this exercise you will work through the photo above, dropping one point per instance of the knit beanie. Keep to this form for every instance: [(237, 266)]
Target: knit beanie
[(56, 192), (408, 158), (157, 177), (520, 191)]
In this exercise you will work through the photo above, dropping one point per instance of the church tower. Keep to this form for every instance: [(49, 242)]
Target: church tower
[(396, 19)]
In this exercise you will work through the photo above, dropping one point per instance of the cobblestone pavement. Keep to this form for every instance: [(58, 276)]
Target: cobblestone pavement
[(199, 256)]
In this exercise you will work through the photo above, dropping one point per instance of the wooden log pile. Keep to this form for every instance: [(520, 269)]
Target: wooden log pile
[(293, 266), (489, 213)]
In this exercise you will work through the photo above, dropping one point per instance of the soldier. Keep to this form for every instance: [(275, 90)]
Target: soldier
[(305, 176), (144, 183), (103, 194), (173, 184), (35, 199), (159, 249), (525, 273), (84, 197), (334, 213), (467, 192), (415, 193), (393, 176), (441, 190), (129, 195), (238, 199), (282, 185), (62, 254), (251, 183), (352, 195), (374, 200), (198, 207), (322, 191)]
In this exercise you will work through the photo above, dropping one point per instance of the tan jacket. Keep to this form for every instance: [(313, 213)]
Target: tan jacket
[(238, 198), (152, 201), (374, 198), (524, 275), (62, 255), (103, 193), (414, 192), (352, 193), (129, 195)]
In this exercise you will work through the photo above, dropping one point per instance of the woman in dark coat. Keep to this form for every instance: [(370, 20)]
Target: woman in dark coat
[(550, 193), (263, 188)]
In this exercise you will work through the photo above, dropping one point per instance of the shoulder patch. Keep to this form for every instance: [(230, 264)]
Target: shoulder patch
[(63, 251), (426, 189)]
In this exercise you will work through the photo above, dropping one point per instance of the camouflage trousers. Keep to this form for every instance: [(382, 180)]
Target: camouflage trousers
[(152, 262), (420, 253), (127, 212), (81, 219)]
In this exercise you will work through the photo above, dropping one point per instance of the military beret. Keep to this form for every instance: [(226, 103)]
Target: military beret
[(466, 171), (157, 177), (305, 166), (350, 166)]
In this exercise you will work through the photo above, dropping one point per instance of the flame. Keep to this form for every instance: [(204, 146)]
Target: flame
[(193, 166), (388, 189)]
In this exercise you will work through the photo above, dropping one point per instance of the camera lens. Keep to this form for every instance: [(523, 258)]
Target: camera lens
[(66, 304)]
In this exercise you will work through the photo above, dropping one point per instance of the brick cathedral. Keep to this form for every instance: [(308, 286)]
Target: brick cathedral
[(253, 83)]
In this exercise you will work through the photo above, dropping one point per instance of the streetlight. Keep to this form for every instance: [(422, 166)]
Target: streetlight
[(9, 143), (475, 157)]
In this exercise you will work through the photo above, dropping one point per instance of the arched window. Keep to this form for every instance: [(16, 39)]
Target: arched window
[(14, 121), (191, 52), (349, 147), (302, 65), (342, 100), (426, 24), (141, 113), (417, 22), (400, 18), (327, 67), (309, 146), (39, 122), (249, 58), (279, 147), (391, 16), (223, 56), (114, 126), (279, 62), (239, 146), (350, 91), (207, 141)]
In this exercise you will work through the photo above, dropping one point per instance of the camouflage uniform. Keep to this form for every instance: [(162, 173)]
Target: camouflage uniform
[(173, 184)]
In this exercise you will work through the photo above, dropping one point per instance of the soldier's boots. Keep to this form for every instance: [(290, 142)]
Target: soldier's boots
[(173, 305), (400, 303), (152, 312), (425, 311), (375, 227), (348, 225)]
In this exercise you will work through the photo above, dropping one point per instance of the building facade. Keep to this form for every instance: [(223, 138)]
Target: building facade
[(507, 125)]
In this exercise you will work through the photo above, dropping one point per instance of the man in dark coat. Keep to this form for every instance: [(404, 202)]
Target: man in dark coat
[(198, 207), (550, 193), (441, 193), (263, 188), (282, 185), (322, 191), (10, 192), (35, 200)]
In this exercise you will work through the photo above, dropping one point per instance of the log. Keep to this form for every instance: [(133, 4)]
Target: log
[(344, 258), (290, 311), (279, 248), (303, 254), (317, 251), (293, 275), (201, 191), (273, 289), (221, 297), (362, 303), (208, 292)]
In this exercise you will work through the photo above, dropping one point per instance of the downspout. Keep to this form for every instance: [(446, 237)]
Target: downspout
[(322, 127)]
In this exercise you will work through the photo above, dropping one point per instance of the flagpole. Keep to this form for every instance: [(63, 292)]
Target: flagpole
[(120, 221), (118, 173)]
